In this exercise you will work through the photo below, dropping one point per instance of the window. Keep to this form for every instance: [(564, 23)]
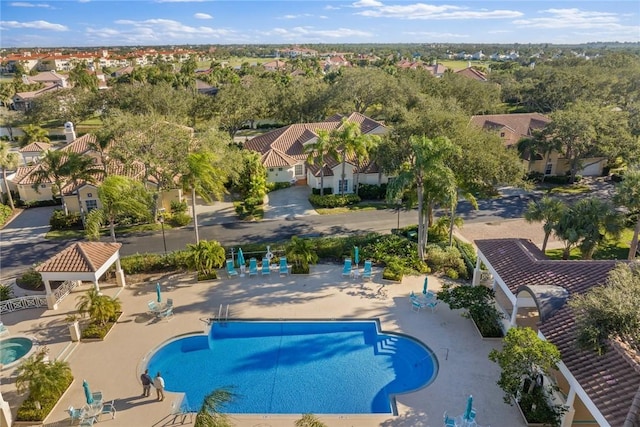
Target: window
[(298, 170), (502, 134), (270, 169), (90, 195), (343, 184), (279, 169), (547, 170), (91, 205), (43, 185)]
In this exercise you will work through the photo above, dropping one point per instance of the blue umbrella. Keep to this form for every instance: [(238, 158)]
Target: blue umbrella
[(467, 412), (356, 255), (87, 392), (158, 292), (426, 283), (240, 257)]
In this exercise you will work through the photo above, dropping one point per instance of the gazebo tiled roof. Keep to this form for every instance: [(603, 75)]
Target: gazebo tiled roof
[(35, 147), (81, 257), (611, 381)]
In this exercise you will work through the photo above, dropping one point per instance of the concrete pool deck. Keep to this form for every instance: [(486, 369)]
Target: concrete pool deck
[(112, 365)]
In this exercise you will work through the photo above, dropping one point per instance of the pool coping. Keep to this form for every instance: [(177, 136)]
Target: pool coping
[(32, 350)]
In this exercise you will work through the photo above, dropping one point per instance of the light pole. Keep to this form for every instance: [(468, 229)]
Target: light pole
[(164, 240)]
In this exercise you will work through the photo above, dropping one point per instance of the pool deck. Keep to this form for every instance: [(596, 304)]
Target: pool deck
[(112, 365)]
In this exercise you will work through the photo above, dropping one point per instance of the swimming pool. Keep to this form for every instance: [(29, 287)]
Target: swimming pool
[(294, 367), (13, 349)]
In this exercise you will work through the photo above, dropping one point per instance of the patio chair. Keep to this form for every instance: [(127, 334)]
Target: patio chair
[(75, 414), (169, 302), (448, 421), (284, 268), (3, 329), (253, 267), (167, 313), (109, 408), (346, 269), (366, 272), (231, 271), (416, 305), (87, 422), (432, 304), (266, 268), (97, 398)]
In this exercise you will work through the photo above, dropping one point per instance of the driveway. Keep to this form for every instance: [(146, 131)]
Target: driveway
[(289, 203)]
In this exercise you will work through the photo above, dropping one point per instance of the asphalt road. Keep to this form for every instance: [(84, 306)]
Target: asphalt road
[(21, 248)]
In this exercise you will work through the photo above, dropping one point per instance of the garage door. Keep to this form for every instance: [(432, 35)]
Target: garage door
[(591, 170)]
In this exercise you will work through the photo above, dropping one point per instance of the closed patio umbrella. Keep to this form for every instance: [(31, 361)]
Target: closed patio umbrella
[(87, 392), (158, 293), (240, 258), (426, 284), (356, 255), (467, 412)]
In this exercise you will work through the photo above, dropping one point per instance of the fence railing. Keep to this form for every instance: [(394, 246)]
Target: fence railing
[(64, 289), (21, 303)]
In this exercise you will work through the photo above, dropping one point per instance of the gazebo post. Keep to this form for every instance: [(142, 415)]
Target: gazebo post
[(514, 314), (477, 272), (96, 285), (120, 273), (51, 298)]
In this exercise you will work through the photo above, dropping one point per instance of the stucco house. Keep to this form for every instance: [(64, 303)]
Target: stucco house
[(532, 290), (31, 153), (514, 127), (283, 155)]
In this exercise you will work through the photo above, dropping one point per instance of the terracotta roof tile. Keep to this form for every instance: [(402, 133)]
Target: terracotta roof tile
[(82, 257), (612, 380), (518, 125), (35, 147), (80, 145)]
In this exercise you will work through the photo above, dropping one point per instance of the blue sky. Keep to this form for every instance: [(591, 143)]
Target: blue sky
[(159, 22)]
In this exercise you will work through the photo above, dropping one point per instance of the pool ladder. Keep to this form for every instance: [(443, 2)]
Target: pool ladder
[(226, 314)]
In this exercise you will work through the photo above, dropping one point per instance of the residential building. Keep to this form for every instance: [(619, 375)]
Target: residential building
[(283, 155), (21, 101), (514, 127), (33, 152), (533, 291)]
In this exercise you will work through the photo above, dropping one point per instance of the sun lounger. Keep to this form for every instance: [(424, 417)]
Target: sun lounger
[(366, 272), (3, 329), (266, 268), (346, 269), (231, 271), (253, 267), (284, 268)]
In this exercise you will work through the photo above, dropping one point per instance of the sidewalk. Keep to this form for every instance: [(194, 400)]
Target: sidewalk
[(509, 229)]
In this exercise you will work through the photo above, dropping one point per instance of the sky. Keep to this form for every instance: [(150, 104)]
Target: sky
[(89, 23)]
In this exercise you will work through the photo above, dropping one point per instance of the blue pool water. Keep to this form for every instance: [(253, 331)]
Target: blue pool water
[(320, 367), (13, 349)]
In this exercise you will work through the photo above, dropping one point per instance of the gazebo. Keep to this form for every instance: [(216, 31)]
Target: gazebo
[(83, 261)]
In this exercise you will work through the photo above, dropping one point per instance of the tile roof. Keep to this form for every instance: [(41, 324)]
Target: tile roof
[(472, 73), (35, 147), (282, 146), (612, 380), (81, 144), (520, 125), (25, 175), (81, 257)]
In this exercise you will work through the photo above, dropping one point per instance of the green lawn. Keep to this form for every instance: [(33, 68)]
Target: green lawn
[(79, 234), (570, 189), (456, 65), (363, 206), (609, 249)]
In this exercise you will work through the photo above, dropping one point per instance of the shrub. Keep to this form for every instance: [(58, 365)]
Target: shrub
[(333, 200), (60, 221), (327, 191), (6, 292), (95, 331), (448, 258), (469, 256), (372, 192), (479, 303), (41, 203), (5, 214), (177, 207), (273, 186), (153, 263), (451, 274), (393, 271), (31, 279), (179, 219)]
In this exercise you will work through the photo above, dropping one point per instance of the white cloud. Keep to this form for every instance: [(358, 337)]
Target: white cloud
[(436, 35), (37, 25), (570, 18), (180, 1), (25, 4), (159, 30), (429, 11), (331, 7), (202, 16), (313, 34), (302, 15)]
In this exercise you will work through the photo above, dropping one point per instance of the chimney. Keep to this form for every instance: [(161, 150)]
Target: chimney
[(69, 132)]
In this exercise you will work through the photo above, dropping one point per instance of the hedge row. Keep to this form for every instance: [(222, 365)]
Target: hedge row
[(333, 200)]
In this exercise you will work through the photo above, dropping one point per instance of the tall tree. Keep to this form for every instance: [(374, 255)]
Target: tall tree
[(548, 211), (210, 414), (122, 196), (428, 173), (80, 77), (8, 161), (81, 169), (351, 143), (203, 177), (317, 152), (628, 195), (33, 133), (52, 169)]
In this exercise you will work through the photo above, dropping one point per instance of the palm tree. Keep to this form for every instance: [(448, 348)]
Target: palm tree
[(100, 308), (596, 219), (316, 152), (204, 178), (309, 420), (52, 169), (205, 256), (209, 414), (120, 195), (628, 195), (81, 168), (8, 161), (301, 253), (347, 139), (44, 379), (428, 173), (548, 211), (33, 133), (103, 140)]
